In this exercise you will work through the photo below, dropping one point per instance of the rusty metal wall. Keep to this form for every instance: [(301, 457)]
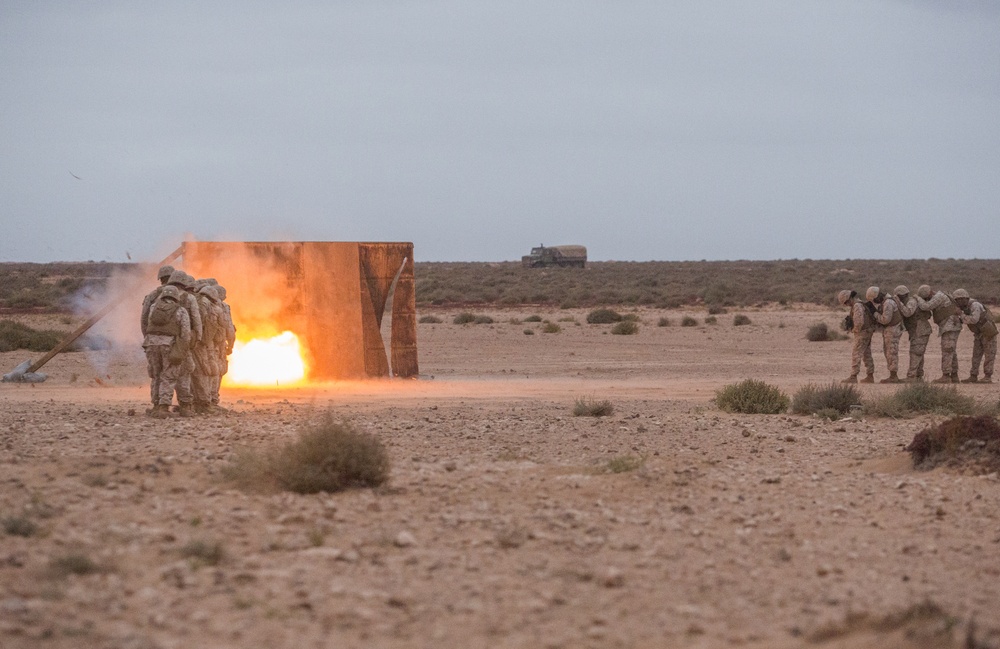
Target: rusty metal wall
[(332, 294)]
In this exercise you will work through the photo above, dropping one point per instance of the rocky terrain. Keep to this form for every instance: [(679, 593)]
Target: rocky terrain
[(507, 521)]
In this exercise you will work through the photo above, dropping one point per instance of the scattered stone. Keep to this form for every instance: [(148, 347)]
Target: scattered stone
[(404, 540)]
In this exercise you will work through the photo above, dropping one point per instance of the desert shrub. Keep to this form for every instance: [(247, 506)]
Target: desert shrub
[(814, 399), (533, 318), (688, 321), (19, 526), (820, 332), (203, 553), (631, 317), (625, 328), (567, 318), (430, 319), (483, 319), (603, 316), (716, 309), (829, 414), (551, 328), (752, 397), (593, 408), (740, 319), (529, 332), (14, 335), (624, 463), (328, 455), (72, 564), (711, 320), (464, 318), (663, 322), (960, 441), (920, 398)]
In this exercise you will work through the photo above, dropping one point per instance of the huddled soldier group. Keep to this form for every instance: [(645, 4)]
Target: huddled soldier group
[(891, 314), (188, 334)]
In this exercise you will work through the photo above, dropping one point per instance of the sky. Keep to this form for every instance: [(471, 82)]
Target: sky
[(644, 130)]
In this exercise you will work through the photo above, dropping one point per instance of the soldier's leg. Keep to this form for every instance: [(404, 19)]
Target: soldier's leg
[(184, 395), (977, 355), (949, 353), (890, 347), (918, 347), (153, 367), (867, 351), (168, 378), (989, 357)]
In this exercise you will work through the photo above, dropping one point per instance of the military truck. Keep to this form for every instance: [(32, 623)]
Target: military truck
[(542, 256)]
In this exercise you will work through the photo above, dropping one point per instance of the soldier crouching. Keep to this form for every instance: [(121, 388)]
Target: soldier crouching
[(168, 334)]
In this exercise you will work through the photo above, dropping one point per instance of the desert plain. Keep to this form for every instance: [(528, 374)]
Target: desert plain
[(503, 523)]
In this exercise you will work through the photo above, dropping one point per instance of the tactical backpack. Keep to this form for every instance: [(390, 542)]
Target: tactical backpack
[(162, 320)]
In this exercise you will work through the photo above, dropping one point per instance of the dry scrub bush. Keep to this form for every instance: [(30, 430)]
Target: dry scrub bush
[(327, 456), (711, 320), (688, 321), (203, 553), (429, 319), (529, 332), (624, 463), (464, 318), (625, 328), (814, 399), (603, 316), (551, 328), (663, 322), (483, 319), (752, 397), (19, 526), (820, 332), (968, 442), (631, 317), (716, 309), (14, 335), (740, 320), (592, 408), (920, 398), (533, 318), (72, 564)]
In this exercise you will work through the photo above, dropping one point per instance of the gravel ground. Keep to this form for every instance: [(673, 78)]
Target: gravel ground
[(503, 524)]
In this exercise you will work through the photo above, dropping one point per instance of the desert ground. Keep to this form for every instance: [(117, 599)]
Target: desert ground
[(501, 525)]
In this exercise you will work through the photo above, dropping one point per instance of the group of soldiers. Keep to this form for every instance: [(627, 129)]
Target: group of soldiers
[(891, 314), (188, 334)]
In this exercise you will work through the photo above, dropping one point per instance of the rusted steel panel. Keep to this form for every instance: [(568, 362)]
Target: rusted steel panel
[(404, 323)]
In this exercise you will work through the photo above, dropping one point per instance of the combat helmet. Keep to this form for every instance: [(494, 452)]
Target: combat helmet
[(164, 272), (960, 294), (845, 296), (900, 291), (170, 292), (924, 292), (872, 293)]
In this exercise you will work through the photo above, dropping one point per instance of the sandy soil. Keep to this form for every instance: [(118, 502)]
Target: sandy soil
[(501, 526)]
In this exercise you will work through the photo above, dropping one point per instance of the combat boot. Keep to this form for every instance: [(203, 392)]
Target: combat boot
[(868, 379), (893, 378), (853, 378), (971, 379), (988, 378), (954, 378), (161, 411), (944, 379), (186, 410), (201, 408)]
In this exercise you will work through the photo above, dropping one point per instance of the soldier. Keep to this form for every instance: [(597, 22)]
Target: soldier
[(862, 323), (918, 327), (888, 315), (185, 284), (168, 333), (230, 341), (205, 350), (164, 276), (948, 318), (984, 330)]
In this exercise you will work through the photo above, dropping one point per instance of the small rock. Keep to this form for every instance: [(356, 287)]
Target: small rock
[(613, 578), (404, 540)]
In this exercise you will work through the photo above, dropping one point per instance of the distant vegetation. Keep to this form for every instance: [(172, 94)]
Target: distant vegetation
[(661, 284)]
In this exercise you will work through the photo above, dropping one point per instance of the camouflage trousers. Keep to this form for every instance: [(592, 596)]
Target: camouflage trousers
[(984, 351), (890, 346), (862, 352), (166, 377), (918, 345), (949, 353)]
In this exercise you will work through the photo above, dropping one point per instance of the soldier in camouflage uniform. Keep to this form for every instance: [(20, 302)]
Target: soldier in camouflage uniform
[(984, 330), (185, 285), (888, 315), (205, 350), (164, 276), (862, 324), (168, 333), (948, 318), (230, 340), (918, 327)]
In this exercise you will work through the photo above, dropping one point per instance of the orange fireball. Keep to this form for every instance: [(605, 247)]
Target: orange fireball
[(267, 362)]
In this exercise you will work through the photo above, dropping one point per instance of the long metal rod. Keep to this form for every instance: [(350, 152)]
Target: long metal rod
[(70, 339)]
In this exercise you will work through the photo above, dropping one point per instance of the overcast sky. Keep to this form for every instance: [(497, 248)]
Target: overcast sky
[(654, 130)]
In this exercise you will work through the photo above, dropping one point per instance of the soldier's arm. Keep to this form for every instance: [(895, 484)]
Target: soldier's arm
[(147, 302), (975, 313), (883, 316), (230, 330), (184, 321), (909, 308), (195, 318), (858, 314), (938, 300)]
